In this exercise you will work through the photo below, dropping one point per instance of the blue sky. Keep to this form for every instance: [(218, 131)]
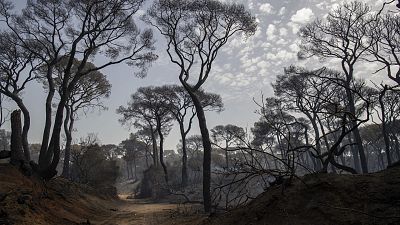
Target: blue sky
[(243, 71)]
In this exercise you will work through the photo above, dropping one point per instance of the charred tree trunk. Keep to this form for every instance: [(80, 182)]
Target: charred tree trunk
[(154, 143), (25, 129), (356, 131), (397, 146), (354, 152), (207, 151), (47, 126), (68, 127), (384, 127), (226, 155), (53, 151), (312, 118), (135, 167), (127, 169), (184, 157), (147, 158), (161, 135), (17, 153)]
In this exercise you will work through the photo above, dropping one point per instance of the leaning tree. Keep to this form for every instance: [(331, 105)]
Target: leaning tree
[(86, 95), (195, 32)]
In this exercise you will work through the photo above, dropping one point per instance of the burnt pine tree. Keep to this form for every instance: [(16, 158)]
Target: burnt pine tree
[(39, 30), (342, 35), (195, 32), (86, 95), (148, 105), (85, 29), (179, 103), (227, 135), (14, 61)]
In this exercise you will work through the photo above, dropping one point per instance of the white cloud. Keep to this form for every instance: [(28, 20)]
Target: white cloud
[(271, 32), (282, 11), (283, 31), (266, 8), (294, 47), (295, 27), (303, 16)]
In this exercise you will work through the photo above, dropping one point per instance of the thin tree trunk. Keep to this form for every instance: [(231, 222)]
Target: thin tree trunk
[(207, 151), (356, 131), (161, 135), (25, 129), (147, 157), (135, 167), (397, 146), (154, 143), (48, 121), (226, 155), (127, 169), (53, 152), (314, 162), (68, 127), (384, 128), (184, 157), (317, 139), (354, 152)]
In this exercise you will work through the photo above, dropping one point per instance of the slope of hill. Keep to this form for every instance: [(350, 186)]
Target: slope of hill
[(324, 199), (26, 200)]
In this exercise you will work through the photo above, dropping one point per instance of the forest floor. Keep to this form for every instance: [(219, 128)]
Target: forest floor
[(26, 201), (145, 212), (318, 199)]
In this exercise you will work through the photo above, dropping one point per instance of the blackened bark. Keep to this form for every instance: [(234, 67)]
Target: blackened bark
[(160, 134), (384, 127), (135, 167), (207, 151), (17, 153), (43, 160), (68, 127), (53, 151), (184, 157), (354, 152), (318, 164), (154, 143), (356, 131), (25, 129), (226, 155), (127, 169), (397, 146)]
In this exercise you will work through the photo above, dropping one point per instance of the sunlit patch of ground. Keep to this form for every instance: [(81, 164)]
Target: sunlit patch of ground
[(151, 213)]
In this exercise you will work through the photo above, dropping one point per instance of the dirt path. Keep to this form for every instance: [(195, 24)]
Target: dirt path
[(144, 212)]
